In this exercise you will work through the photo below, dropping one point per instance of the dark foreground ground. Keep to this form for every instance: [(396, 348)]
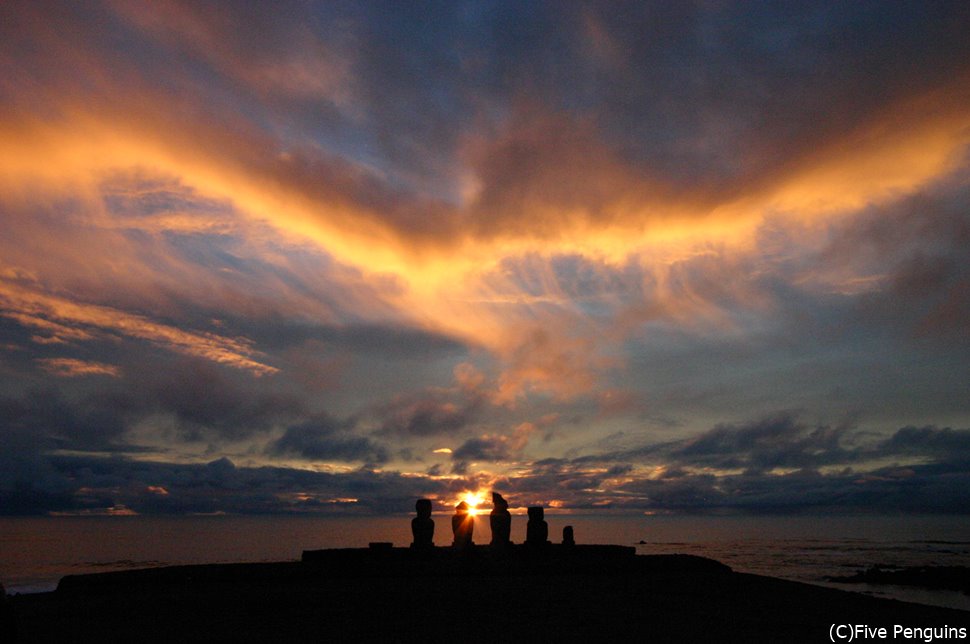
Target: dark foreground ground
[(588, 594)]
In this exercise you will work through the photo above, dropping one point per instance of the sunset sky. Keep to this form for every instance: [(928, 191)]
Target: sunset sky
[(333, 257)]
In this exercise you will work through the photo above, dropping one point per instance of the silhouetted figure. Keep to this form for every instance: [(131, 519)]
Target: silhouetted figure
[(567, 536), (462, 525), (422, 526), (536, 530), (500, 521)]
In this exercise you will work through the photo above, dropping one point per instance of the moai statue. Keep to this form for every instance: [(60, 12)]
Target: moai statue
[(422, 526), (462, 525), (500, 521), (536, 530), (567, 536)]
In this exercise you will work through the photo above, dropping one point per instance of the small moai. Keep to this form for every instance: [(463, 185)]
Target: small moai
[(463, 526), (500, 520), (536, 530), (422, 526), (567, 536)]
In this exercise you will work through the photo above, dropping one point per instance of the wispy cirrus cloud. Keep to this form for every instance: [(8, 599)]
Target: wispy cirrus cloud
[(34, 309), (70, 367)]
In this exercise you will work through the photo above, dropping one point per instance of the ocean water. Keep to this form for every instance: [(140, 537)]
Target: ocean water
[(36, 552)]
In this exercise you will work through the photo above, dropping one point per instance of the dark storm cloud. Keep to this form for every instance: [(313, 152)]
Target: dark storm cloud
[(763, 445), (204, 401), (486, 448), (784, 442), (574, 482), (915, 489), (79, 484), (47, 419), (429, 413), (493, 448), (208, 400), (327, 439), (943, 444), (936, 481)]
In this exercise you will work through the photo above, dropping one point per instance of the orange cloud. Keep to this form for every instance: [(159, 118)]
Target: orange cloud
[(27, 305), (70, 368), (538, 182), (905, 146), (575, 198)]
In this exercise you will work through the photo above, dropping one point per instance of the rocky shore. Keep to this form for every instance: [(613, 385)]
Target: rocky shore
[(955, 578)]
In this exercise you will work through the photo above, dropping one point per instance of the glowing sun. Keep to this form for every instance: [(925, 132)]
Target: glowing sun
[(473, 499)]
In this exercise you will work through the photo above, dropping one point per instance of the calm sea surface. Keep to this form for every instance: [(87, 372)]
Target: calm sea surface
[(36, 552)]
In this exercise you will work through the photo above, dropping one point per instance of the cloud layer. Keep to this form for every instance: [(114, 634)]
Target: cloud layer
[(660, 258)]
